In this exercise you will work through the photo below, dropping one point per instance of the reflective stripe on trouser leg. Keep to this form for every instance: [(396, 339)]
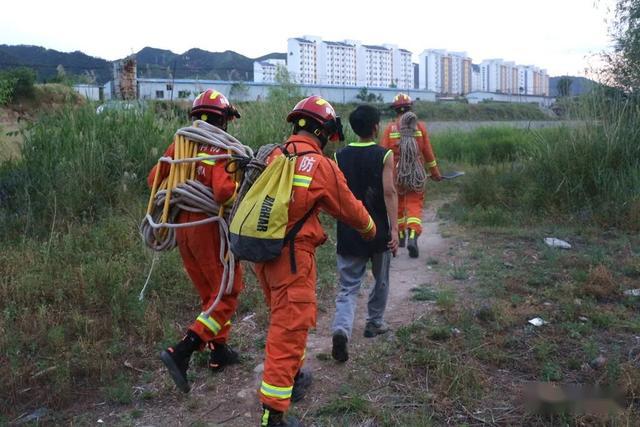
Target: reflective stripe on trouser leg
[(283, 360), (414, 203), (200, 255), (291, 299), (210, 323)]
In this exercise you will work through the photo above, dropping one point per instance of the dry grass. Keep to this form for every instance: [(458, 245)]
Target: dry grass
[(600, 284)]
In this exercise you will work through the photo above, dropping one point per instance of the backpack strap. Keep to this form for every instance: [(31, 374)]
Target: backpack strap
[(290, 238)]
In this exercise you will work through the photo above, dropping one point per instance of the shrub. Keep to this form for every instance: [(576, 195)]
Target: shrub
[(17, 83)]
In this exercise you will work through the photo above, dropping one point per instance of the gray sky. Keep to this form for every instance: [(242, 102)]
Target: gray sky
[(560, 35)]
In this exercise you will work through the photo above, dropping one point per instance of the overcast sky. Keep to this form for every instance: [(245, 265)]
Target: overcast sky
[(560, 35)]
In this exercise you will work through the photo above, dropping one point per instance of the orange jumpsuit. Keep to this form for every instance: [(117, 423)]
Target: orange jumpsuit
[(410, 203), (318, 185), (200, 248)]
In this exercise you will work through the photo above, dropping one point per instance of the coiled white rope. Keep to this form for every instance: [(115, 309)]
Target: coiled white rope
[(193, 196), (410, 173)]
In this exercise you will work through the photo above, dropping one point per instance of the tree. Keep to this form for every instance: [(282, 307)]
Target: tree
[(239, 91), (285, 88), (564, 86), (624, 62), (363, 94)]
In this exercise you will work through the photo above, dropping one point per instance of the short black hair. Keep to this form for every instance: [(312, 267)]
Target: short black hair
[(363, 119)]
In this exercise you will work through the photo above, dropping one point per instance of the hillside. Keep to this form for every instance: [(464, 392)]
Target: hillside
[(579, 85), (152, 62)]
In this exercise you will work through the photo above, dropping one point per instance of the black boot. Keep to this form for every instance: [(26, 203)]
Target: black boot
[(301, 384), (402, 239), (176, 359), (222, 355), (339, 351), (272, 418), (413, 245)]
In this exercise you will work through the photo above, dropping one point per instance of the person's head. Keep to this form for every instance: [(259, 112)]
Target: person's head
[(402, 103), (365, 121), (214, 108), (317, 117)]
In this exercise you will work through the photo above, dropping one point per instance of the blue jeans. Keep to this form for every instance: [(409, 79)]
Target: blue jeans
[(351, 271)]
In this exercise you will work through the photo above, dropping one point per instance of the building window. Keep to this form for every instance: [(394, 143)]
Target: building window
[(169, 87), (159, 94), (183, 93)]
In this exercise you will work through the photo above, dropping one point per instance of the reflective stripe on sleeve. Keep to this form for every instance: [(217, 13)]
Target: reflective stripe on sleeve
[(273, 391), (432, 164), (418, 133), (368, 227), (394, 135), (210, 323), (302, 181), (386, 156)]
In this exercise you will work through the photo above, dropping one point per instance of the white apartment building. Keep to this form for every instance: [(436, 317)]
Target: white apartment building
[(302, 59), (447, 73), (265, 71), (337, 63), (374, 66), (490, 73), (402, 67), (348, 63), (476, 80), (533, 81), (499, 76)]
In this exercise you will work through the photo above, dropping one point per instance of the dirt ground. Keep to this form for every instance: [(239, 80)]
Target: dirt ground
[(230, 398)]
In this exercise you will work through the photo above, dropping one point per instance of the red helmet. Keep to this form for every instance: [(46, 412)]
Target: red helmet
[(318, 109), (402, 102), (213, 102)]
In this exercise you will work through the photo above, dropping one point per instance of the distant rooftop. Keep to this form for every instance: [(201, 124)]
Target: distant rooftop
[(405, 50), (343, 44), (368, 46), (303, 40)]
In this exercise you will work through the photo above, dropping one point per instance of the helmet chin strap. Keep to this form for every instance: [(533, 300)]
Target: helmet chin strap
[(322, 137)]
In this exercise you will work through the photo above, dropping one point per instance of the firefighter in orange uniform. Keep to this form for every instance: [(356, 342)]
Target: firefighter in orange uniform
[(410, 203), (199, 248), (289, 281)]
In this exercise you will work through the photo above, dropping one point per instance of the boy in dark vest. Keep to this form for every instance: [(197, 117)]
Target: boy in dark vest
[(368, 169)]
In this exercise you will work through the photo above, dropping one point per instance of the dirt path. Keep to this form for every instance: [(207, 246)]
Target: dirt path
[(230, 398)]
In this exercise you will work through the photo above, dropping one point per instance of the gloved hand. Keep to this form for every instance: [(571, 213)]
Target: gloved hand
[(435, 174)]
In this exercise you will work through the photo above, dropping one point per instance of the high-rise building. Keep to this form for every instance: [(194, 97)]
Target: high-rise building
[(447, 73), (348, 63), (302, 59), (337, 63), (533, 80)]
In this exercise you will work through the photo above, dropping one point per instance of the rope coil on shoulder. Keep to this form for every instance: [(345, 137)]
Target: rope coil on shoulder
[(410, 172), (180, 190)]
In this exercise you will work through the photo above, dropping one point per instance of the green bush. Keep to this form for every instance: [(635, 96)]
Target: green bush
[(17, 83), (589, 172), (489, 111), (482, 146), (76, 165)]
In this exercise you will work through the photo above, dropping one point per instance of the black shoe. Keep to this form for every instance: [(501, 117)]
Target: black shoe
[(371, 330), (402, 239), (339, 351), (272, 418), (301, 384), (413, 245), (177, 357), (222, 355)]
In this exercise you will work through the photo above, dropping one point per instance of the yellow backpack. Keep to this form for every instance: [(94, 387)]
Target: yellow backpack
[(258, 229)]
